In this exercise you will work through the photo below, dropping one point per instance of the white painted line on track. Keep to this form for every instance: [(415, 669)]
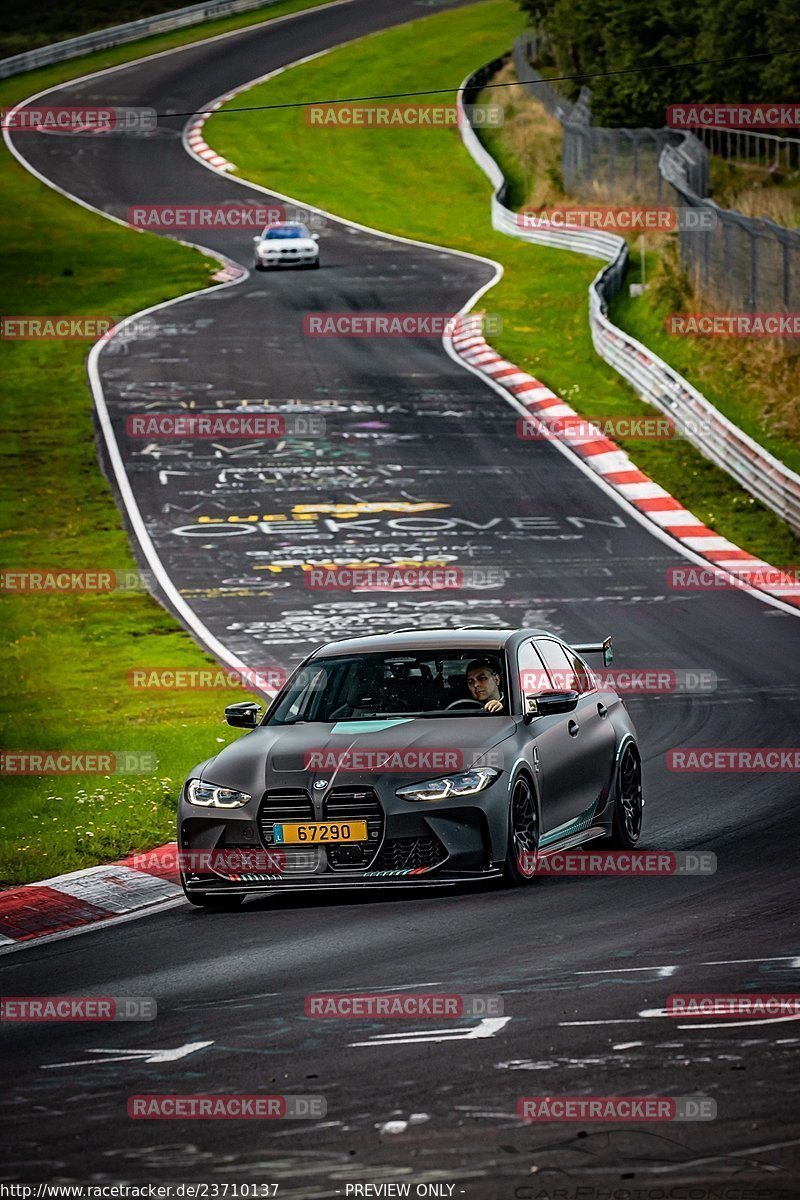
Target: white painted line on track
[(664, 972), (486, 1028), (790, 959), (613, 1021)]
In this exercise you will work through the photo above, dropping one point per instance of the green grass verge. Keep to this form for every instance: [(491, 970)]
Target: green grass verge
[(67, 657), (422, 184)]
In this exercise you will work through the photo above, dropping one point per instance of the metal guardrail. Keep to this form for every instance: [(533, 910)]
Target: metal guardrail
[(131, 31), (749, 147), (703, 425)]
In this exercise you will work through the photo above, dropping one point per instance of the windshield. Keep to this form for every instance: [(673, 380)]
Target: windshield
[(418, 683), (286, 231)]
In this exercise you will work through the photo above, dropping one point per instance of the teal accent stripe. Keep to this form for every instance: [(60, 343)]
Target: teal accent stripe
[(576, 825), (369, 726)]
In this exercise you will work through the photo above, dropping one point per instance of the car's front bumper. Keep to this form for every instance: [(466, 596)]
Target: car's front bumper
[(451, 841), (288, 259)]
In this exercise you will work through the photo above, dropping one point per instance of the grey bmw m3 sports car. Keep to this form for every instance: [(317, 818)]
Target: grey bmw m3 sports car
[(414, 757)]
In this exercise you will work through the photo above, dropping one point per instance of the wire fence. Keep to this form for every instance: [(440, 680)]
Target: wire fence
[(747, 264)]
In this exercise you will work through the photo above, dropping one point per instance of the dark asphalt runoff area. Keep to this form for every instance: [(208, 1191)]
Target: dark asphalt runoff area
[(584, 966)]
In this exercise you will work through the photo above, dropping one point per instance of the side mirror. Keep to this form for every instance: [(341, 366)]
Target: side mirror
[(244, 715), (549, 704), (257, 238), (608, 652), (315, 237)]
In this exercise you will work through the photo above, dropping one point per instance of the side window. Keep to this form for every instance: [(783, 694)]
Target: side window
[(586, 679), (533, 678), (567, 672)]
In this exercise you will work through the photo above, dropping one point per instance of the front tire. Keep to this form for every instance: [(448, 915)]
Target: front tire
[(523, 835), (626, 822)]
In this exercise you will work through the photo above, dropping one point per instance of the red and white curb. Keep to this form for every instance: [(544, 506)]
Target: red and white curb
[(197, 143), (71, 902), (613, 464), (228, 273), (194, 140)]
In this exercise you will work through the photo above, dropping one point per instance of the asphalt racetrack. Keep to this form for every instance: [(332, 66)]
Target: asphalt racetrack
[(584, 965)]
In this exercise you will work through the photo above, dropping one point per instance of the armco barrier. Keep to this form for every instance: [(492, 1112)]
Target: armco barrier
[(717, 438), (118, 35)]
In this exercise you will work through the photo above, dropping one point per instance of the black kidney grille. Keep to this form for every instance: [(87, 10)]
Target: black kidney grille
[(354, 804), (283, 804)]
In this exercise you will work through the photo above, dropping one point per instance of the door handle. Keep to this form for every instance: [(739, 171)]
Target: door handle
[(601, 709), (574, 728)]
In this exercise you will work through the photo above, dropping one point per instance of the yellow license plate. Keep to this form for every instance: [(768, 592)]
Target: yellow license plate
[(321, 831)]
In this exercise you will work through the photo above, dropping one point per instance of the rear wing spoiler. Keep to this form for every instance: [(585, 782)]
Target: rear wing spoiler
[(605, 648)]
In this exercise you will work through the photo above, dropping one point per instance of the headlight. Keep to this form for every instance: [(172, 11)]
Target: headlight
[(207, 795), (466, 783)]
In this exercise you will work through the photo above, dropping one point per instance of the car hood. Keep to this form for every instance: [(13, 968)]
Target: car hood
[(356, 752)]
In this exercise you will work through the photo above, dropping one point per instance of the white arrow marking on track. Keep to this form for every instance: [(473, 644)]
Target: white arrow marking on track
[(150, 1056), (485, 1028)]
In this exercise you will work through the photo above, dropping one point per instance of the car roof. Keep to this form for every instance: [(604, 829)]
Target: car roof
[(465, 638)]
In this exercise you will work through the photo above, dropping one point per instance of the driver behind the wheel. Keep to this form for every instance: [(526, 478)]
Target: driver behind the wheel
[(483, 682)]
